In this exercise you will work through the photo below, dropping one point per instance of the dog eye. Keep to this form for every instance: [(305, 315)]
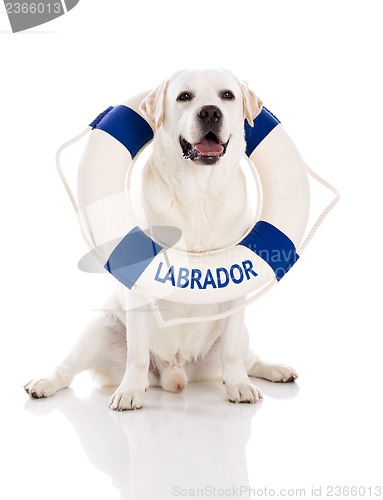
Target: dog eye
[(185, 96), (226, 94)]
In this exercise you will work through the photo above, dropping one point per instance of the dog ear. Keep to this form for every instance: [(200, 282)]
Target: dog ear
[(153, 106), (252, 105)]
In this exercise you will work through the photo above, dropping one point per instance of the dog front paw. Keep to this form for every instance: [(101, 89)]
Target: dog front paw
[(273, 372), (243, 393), (41, 388), (124, 399)]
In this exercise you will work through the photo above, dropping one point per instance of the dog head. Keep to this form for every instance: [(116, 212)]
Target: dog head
[(198, 115)]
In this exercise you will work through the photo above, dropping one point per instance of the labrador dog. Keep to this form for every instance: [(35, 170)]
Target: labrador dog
[(192, 181)]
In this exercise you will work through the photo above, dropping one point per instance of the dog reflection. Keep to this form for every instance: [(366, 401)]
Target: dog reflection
[(152, 453)]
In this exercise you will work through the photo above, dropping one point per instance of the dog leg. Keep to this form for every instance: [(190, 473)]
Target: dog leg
[(87, 353), (270, 371), (130, 393), (238, 386)]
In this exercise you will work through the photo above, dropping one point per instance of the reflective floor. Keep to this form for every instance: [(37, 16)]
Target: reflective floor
[(194, 444)]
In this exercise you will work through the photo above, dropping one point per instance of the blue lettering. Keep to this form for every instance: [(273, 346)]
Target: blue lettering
[(209, 280), (236, 280), (194, 278), (220, 270), (196, 275), (157, 277), (170, 276), (248, 267), (184, 277)]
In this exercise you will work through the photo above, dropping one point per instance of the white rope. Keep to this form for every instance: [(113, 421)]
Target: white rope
[(196, 319), (71, 195), (325, 212), (59, 167)]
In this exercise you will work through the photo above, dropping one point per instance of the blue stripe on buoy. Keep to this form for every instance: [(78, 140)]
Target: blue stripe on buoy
[(132, 256), (100, 117), (125, 125), (264, 123), (273, 246)]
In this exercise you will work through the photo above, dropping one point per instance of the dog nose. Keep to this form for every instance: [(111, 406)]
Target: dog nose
[(210, 114)]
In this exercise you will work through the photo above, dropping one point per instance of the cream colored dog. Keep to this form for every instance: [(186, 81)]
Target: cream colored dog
[(192, 181)]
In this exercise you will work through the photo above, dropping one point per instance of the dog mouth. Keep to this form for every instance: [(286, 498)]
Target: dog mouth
[(208, 150)]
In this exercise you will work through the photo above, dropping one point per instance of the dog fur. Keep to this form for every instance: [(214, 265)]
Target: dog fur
[(205, 197)]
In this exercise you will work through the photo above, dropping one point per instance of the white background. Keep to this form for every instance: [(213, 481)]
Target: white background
[(317, 66)]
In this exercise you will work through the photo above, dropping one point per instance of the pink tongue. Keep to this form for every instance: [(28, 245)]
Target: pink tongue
[(209, 147)]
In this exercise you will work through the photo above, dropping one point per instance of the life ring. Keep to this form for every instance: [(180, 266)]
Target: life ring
[(266, 251)]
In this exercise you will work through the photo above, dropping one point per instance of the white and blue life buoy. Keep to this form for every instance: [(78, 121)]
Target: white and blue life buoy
[(268, 250)]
